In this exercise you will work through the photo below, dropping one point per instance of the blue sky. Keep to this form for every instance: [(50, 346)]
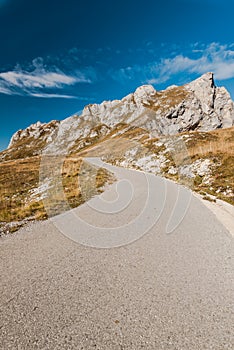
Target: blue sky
[(56, 57)]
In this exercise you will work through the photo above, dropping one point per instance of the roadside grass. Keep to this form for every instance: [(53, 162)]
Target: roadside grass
[(218, 147), (17, 178), (77, 181), (222, 178)]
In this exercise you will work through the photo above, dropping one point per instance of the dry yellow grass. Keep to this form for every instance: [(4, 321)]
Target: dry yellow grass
[(218, 147), (213, 142), (18, 178)]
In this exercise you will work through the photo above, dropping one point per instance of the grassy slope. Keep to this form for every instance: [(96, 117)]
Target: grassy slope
[(217, 146), (19, 177)]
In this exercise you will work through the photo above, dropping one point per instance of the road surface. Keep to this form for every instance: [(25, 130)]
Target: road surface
[(167, 283)]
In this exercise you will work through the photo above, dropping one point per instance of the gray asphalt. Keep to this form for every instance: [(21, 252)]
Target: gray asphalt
[(158, 288)]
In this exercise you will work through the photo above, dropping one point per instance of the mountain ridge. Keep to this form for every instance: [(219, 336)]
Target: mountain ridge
[(198, 105)]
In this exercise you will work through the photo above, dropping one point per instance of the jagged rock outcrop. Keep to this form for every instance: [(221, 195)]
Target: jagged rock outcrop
[(31, 141), (35, 131), (199, 105), (214, 103)]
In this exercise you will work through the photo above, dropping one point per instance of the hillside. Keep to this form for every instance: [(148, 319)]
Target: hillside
[(184, 133)]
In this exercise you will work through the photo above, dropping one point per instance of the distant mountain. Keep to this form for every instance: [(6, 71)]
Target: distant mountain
[(146, 130)]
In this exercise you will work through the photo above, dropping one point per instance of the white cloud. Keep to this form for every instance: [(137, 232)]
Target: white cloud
[(37, 79), (216, 58), (41, 95), (34, 82), (44, 95)]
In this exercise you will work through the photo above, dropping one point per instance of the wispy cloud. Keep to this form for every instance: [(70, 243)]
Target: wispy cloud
[(5, 90), (215, 57), (25, 80), (37, 81), (43, 95)]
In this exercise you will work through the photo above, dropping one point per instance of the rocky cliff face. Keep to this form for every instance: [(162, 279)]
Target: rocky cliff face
[(35, 131), (199, 105), (31, 141)]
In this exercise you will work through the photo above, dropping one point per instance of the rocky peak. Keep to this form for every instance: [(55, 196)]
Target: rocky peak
[(144, 94), (206, 80), (35, 131), (204, 89)]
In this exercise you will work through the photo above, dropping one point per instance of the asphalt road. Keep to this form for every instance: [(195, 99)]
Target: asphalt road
[(121, 272)]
